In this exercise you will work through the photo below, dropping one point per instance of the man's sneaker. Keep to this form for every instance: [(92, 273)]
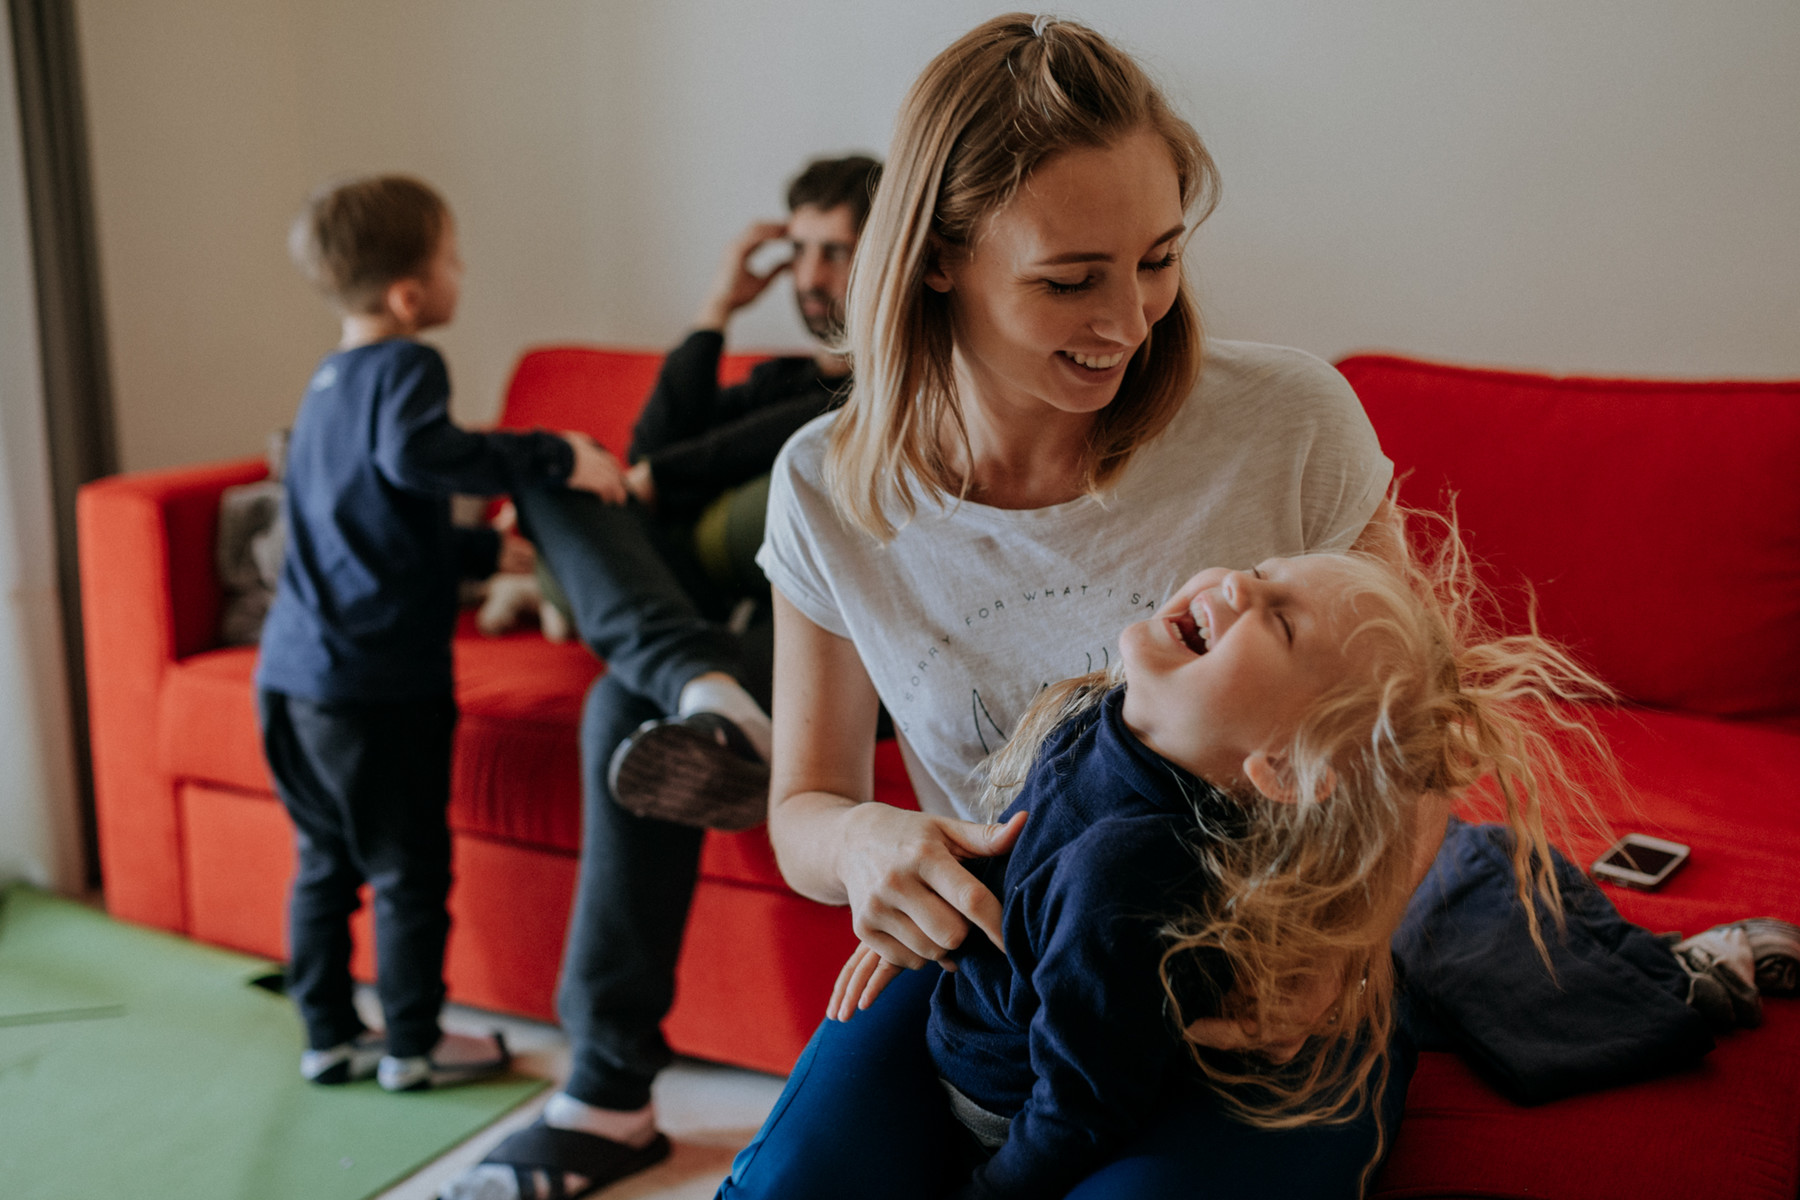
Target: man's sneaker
[(345, 1062), (694, 770), (457, 1058)]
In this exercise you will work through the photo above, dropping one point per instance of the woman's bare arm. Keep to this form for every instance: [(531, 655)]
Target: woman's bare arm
[(900, 871), (823, 765), (1381, 536)]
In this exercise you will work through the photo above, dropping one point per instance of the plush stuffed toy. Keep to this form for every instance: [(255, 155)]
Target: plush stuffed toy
[(522, 592), (512, 600)]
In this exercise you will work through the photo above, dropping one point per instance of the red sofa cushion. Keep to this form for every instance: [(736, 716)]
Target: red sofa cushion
[(1726, 1128), (514, 777), (1660, 522), (1725, 788), (516, 774)]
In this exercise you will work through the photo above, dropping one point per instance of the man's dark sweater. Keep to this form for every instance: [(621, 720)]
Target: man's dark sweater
[(1068, 1033), (701, 439), (367, 600)]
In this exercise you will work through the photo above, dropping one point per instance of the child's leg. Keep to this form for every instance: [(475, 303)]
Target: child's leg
[(400, 831), (325, 887), (862, 1114)]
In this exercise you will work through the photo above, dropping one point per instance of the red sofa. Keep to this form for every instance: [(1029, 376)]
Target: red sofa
[(1660, 522), (193, 840)]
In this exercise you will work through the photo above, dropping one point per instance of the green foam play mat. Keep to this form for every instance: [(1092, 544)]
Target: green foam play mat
[(134, 1063)]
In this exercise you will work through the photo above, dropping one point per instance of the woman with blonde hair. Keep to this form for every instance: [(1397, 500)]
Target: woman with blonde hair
[(1038, 448)]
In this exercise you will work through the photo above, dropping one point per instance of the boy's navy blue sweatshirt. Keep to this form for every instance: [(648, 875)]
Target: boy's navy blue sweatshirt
[(1068, 1032), (367, 601)]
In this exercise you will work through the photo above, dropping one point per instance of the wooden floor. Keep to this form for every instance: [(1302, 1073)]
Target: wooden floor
[(709, 1112)]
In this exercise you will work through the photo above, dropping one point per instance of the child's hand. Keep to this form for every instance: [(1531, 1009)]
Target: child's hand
[(517, 556), (1296, 1017), (596, 470), (864, 976)]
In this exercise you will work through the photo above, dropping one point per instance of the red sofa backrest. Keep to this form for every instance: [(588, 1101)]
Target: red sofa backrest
[(596, 390), (1659, 522)]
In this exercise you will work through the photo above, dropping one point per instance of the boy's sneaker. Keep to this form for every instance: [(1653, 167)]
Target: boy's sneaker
[(1728, 965), (345, 1062), (457, 1058)]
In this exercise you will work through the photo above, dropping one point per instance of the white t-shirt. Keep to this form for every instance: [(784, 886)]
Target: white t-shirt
[(970, 610)]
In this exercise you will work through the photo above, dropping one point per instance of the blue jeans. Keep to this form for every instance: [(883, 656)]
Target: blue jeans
[(641, 602), (863, 1115)]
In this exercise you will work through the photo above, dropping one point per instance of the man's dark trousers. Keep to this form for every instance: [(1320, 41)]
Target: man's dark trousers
[(641, 602)]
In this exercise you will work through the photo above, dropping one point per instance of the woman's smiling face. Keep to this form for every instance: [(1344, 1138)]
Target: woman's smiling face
[(1061, 287)]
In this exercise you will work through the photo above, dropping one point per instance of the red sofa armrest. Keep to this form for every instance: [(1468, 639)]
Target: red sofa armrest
[(149, 596)]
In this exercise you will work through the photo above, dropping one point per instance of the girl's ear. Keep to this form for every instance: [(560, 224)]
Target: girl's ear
[(1273, 776), (1269, 774), (936, 278)]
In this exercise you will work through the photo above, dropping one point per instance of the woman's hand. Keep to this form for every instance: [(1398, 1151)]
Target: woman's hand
[(911, 899), (900, 871), (866, 974)]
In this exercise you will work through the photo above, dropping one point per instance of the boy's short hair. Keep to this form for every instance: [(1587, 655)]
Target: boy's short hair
[(826, 183), (357, 236)]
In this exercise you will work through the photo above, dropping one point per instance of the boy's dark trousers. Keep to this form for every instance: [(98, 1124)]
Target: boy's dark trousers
[(367, 786)]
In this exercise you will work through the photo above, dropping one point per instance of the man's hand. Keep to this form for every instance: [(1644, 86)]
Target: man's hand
[(736, 284), (640, 484), (596, 470)]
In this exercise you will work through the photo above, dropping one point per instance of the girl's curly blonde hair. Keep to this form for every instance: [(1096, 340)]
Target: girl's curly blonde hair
[(1309, 893)]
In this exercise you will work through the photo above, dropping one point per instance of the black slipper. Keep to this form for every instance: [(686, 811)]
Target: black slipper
[(694, 770), (541, 1149)]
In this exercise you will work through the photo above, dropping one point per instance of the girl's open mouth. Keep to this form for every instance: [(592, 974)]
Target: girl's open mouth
[(1187, 630)]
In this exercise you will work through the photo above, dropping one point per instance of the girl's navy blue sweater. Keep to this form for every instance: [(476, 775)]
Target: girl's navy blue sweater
[(1068, 1032), (367, 600)]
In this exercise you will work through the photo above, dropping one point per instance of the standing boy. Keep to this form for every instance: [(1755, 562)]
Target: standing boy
[(354, 684)]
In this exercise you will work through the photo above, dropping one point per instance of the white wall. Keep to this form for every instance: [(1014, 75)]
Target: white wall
[(1584, 186), (39, 819)]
